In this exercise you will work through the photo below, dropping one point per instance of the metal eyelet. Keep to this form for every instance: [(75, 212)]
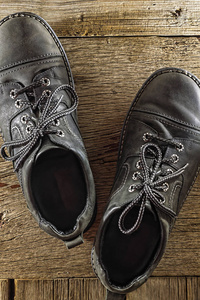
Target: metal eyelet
[(146, 136), (135, 175), (13, 93), (60, 133), (24, 119), (169, 171), (165, 187), (138, 164), (56, 122), (175, 158), (18, 103), (29, 128), (131, 188), (46, 93), (45, 81), (180, 147)]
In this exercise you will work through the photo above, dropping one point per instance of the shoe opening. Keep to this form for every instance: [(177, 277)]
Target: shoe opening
[(125, 257), (59, 188)]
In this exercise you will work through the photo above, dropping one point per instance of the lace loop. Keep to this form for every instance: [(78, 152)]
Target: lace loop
[(47, 116), (150, 185)]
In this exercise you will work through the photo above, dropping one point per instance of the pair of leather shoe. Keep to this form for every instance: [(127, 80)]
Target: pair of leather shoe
[(157, 164)]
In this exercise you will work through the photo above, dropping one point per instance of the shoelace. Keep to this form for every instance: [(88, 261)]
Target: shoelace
[(47, 116), (150, 184)]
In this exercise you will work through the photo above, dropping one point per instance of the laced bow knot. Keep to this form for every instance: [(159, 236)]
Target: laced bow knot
[(46, 118), (149, 187)]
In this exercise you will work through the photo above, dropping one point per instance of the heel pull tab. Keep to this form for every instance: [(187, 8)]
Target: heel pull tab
[(75, 242), (115, 296)]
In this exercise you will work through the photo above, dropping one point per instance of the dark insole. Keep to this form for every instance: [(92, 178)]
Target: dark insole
[(59, 188), (126, 257)]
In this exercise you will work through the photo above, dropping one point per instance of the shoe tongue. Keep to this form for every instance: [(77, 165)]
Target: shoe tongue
[(151, 208), (46, 145)]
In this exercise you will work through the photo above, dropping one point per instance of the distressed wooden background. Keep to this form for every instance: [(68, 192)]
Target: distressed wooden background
[(112, 46)]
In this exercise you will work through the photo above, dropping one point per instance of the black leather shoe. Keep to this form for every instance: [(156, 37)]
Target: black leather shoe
[(158, 161), (39, 125)]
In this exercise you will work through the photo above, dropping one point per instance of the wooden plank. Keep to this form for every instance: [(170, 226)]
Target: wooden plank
[(157, 288), (5, 289), (169, 288), (56, 289), (85, 289), (108, 73), (113, 18), (61, 289), (193, 288), (34, 290), (41, 289)]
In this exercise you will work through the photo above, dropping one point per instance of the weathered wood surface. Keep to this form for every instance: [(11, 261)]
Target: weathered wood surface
[(131, 39), (108, 73), (113, 18), (41, 289), (5, 290), (156, 288)]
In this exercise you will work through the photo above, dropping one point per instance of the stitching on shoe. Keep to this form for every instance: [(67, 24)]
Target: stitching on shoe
[(48, 28), (47, 71), (168, 116), (168, 123), (29, 60), (22, 68), (178, 185), (15, 128), (162, 71), (173, 125)]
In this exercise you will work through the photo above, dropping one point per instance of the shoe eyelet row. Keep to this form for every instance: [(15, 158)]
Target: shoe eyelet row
[(13, 93), (46, 93), (180, 147), (146, 136), (135, 175), (174, 158), (138, 164), (45, 81), (165, 187), (60, 133), (56, 122), (24, 119), (169, 171), (18, 103), (131, 188), (29, 128)]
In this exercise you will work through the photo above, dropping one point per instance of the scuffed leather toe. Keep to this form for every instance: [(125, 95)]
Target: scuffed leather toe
[(38, 120), (159, 159), (24, 39)]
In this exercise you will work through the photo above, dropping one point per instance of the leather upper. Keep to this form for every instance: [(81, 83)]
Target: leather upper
[(167, 110), (29, 53)]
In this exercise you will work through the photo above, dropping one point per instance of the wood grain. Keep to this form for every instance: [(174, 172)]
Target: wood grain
[(34, 290), (41, 289), (193, 288), (108, 73), (156, 288), (113, 18), (5, 289), (161, 289), (85, 289), (130, 40)]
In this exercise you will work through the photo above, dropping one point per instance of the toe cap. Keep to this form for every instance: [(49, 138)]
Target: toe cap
[(25, 37)]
